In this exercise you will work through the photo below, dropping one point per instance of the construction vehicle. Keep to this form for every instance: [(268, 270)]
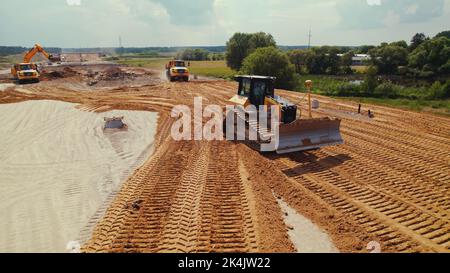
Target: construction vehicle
[(294, 133), (177, 70), (115, 123), (28, 71)]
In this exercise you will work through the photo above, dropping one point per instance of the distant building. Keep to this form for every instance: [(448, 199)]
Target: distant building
[(359, 59)]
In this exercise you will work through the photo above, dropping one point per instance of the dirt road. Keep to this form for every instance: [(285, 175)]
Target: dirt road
[(388, 183)]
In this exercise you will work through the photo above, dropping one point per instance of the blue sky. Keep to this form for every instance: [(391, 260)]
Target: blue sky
[(89, 23)]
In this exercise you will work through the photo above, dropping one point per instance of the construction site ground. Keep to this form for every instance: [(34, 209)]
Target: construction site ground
[(389, 182)]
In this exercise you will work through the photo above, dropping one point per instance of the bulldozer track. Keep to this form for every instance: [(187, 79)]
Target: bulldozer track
[(227, 219)]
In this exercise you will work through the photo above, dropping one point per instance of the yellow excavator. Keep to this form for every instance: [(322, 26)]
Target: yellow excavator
[(293, 133), (28, 71)]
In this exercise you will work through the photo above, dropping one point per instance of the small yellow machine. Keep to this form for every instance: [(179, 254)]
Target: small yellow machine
[(294, 133), (28, 71), (177, 70)]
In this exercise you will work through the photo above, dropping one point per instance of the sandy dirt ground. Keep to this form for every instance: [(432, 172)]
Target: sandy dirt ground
[(58, 168), (388, 183), (77, 57)]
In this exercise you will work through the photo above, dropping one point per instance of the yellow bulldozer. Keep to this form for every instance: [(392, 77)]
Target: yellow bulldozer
[(28, 71), (293, 132)]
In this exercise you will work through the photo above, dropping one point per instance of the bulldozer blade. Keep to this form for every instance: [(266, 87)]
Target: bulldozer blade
[(303, 135)]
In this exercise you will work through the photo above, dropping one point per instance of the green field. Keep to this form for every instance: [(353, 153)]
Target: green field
[(216, 69)]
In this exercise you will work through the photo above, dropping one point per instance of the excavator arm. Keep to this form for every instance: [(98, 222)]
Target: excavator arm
[(37, 48)]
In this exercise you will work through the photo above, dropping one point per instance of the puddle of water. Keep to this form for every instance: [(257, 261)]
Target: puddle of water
[(306, 236)]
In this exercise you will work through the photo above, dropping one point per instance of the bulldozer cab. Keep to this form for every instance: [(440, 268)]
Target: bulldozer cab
[(256, 88)]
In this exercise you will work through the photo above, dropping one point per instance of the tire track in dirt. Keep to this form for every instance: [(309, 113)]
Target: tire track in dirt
[(401, 207), (226, 216), (432, 170), (186, 204), (389, 177), (331, 187)]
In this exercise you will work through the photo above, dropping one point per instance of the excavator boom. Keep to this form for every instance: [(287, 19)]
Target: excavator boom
[(39, 49), (36, 49)]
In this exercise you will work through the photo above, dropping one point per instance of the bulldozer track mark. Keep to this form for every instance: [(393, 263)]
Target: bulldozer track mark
[(181, 230), (435, 173), (370, 206), (412, 188), (418, 144), (190, 203), (227, 223)]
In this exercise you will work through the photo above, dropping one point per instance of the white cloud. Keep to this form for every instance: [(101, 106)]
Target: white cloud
[(211, 22), (374, 2)]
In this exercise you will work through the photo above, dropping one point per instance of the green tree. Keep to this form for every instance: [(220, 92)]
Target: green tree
[(323, 60), (299, 59), (365, 49), (193, 55), (270, 61), (346, 62), (388, 58), (400, 44), (332, 61), (241, 45), (443, 34), (417, 40), (431, 58), (370, 82)]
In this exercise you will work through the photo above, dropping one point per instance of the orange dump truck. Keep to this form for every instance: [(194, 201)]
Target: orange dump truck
[(177, 70)]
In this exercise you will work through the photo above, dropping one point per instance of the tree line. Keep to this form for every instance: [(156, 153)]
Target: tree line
[(12, 50), (423, 57), (199, 54)]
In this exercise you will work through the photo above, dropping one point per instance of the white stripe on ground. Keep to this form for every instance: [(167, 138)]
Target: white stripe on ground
[(306, 236)]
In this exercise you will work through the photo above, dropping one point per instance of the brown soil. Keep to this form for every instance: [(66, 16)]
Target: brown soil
[(388, 182), (49, 74), (86, 57)]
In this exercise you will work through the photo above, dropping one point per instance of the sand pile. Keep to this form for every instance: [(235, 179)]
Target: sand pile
[(111, 74), (57, 168)]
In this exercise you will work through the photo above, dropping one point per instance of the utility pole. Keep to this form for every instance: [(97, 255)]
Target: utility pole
[(309, 38), (120, 45)]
